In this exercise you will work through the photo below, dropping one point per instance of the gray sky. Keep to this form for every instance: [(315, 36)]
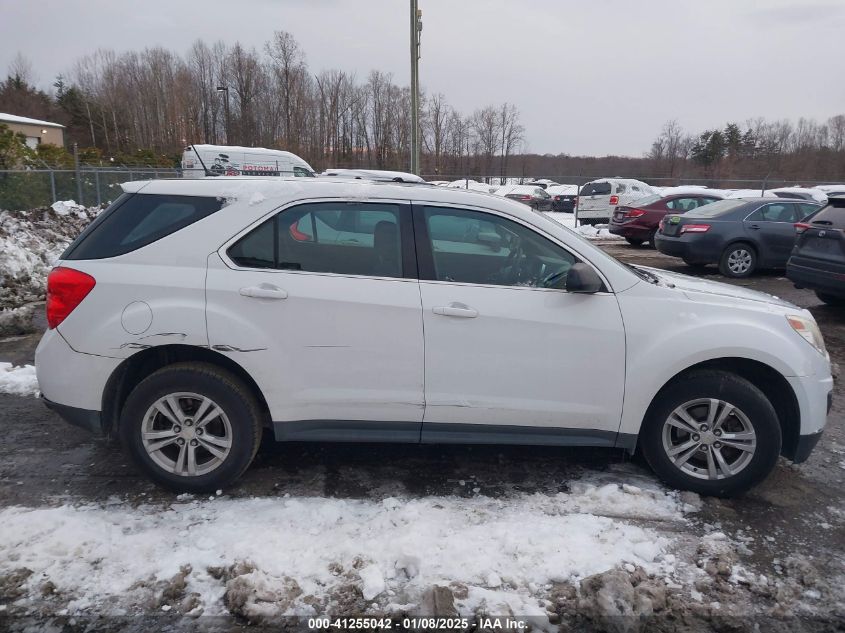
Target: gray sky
[(589, 77)]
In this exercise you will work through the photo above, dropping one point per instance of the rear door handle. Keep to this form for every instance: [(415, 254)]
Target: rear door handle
[(756, 227), (264, 291), (456, 310)]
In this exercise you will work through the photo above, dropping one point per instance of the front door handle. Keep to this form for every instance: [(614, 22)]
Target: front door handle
[(456, 310), (756, 227), (264, 291)]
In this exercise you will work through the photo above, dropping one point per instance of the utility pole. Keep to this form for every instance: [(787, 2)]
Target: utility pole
[(226, 90), (416, 27)]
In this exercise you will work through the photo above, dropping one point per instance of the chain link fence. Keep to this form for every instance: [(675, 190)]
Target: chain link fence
[(32, 188)]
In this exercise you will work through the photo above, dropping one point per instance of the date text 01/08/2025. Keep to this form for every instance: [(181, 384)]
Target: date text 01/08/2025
[(417, 623)]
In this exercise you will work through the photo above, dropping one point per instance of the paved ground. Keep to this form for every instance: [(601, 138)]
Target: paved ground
[(798, 514)]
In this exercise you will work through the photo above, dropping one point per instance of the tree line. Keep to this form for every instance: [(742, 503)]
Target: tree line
[(145, 106)]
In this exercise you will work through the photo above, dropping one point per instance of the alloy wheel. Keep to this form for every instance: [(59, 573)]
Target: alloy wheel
[(186, 434), (709, 439)]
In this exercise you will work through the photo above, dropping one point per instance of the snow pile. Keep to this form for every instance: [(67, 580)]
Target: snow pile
[(16, 321), (30, 242), (68, 207), (598, 232), (263, 558), (20, 381)]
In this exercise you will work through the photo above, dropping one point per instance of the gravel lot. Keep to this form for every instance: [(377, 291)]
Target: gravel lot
[(777, 554)]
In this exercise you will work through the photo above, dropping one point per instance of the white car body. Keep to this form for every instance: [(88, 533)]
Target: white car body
[(610, 193), (373, 358), (204, 161)]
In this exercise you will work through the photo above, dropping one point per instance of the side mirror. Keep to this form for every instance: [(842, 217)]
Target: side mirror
[(582, 278)]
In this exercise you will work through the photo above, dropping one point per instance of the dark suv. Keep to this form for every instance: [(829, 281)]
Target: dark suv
[(818, 258)]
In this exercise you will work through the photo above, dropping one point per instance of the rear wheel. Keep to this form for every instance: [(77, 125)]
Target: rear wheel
[(831, 300), (711, 432), (191, 427), (738, 260), (633, 241), (651, 237)]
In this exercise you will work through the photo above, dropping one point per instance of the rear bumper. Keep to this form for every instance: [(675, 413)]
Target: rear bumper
[(91, 421), (690, 248), (816, 279), (632, 230)]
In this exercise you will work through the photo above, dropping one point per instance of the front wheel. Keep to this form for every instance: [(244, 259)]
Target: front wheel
[(738, 260), (831, 300), (191, 427), (711, 432)]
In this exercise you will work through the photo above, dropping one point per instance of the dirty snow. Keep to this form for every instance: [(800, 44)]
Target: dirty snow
[(30, 243), (296, 556), (20, 381)]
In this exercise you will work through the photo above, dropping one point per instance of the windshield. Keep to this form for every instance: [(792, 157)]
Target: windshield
[(715, 209)]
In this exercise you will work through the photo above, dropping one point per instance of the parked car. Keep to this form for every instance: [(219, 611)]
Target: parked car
[(818, 258), (192, 316), (373, 174), (564, 197), (598, 199), (638, 222), (801, 193), (543, 183), (534, 197), (203, 161), (740, 235)]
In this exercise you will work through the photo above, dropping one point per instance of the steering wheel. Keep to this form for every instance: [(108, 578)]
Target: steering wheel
[(509, 273), (549, 281)]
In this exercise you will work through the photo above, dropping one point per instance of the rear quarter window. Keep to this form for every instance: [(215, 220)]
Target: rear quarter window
[(137, 220)]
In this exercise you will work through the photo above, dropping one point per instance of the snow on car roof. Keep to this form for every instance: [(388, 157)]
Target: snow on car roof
[(562, 189), (508, 189)]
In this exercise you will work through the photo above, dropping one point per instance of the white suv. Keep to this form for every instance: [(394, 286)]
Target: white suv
[(598, 199), (192, 316)]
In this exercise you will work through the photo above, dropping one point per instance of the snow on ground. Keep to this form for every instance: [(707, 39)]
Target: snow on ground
[(20, 381), (309, 555), (30, 242)]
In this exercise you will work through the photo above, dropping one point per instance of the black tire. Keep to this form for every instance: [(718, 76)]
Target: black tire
[(730, 388), (242, 412), (697, 265), (633, 241), (651, 239), (741, 251), (831, 300)]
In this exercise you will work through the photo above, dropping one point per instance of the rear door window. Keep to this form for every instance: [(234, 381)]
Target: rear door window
[(136, 220), (778, 212), (332, 237)]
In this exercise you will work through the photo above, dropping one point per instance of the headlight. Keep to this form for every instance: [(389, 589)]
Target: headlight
[(809, 331)]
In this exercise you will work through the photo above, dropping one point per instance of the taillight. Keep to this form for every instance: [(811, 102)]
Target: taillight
[(635, 213), (614, 200), (558, 198), (662, 224), (66, 288), (525, 197), (695, 228), (800, 227)]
